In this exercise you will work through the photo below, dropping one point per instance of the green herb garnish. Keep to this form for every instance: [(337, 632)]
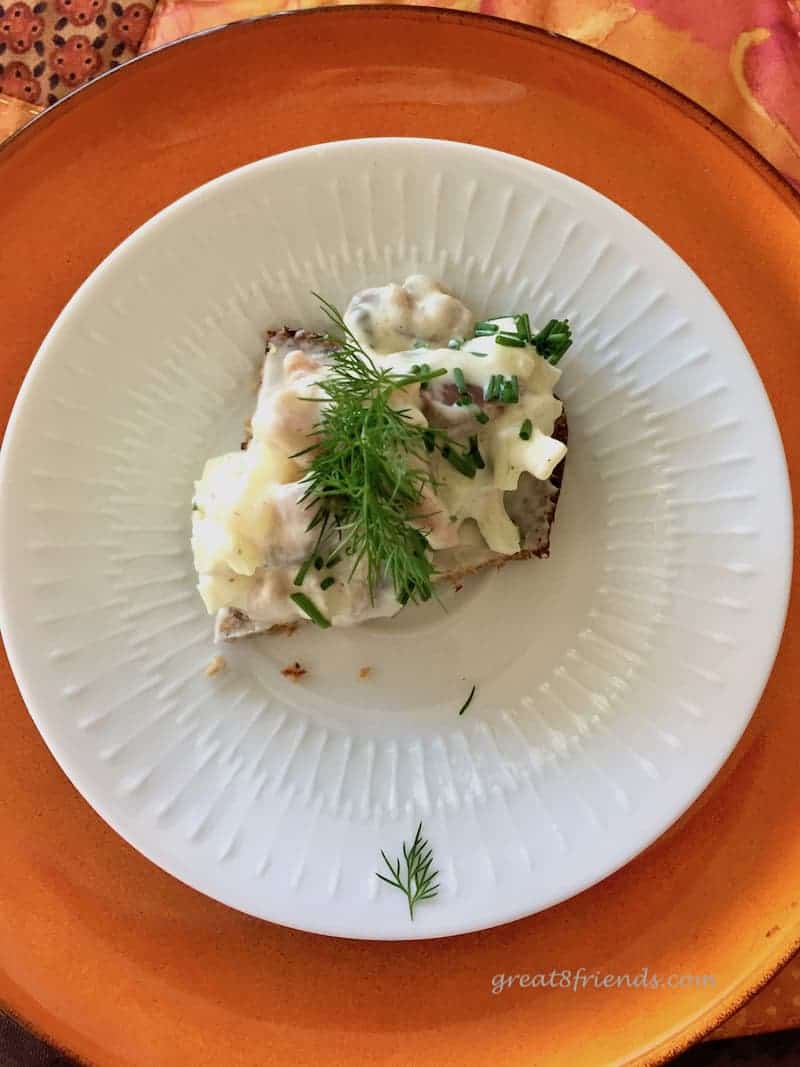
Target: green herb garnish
[(523, 324), (475, 454), (554, 340), (506, 390), (424, 370), (509, 393), (484, 328), (464, 398), (300, 577), (462, 462), (455, 342), (326, 583), (510, 340), (468, 701), (368, 470), (308, 606), (417, 881), (525, 430)]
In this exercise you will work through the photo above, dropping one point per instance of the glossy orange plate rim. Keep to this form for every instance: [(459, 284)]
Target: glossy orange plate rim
[(788, 942)]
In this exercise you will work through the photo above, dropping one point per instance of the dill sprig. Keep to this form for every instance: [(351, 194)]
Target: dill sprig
[(369, 469), (417, 881)]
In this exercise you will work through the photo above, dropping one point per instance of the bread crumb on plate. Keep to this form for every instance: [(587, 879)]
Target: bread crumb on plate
[(294, 671), (365, 672), (216, 665)]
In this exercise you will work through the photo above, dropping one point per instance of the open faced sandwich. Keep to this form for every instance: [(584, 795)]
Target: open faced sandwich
[(408, 446)]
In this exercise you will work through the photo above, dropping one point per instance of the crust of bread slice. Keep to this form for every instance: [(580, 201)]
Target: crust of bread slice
[(532, 507)]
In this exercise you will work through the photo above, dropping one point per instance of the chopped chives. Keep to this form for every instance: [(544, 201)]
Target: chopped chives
[(318, 563), (421, 344), (455, 342), (475, 453), (468, 701), (482, 417), (509, 393), (525, 430), (509, 340), (493, 388), (523, 326), (326, 583), (485, 327), (300, 577), (553, 340), (462, 463), (464, 397), (309, 608), (424, 368)]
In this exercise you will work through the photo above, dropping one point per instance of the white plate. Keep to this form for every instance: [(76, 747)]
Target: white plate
[(613, 679)]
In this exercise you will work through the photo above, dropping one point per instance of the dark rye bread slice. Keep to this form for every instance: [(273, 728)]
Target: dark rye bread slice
[(532, 506)]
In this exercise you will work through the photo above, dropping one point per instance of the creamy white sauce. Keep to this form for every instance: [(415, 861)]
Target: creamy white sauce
[(266, 596), (390, 318), (249, 524)]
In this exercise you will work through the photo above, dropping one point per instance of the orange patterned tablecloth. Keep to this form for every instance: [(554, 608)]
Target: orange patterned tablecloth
[(738, 58)]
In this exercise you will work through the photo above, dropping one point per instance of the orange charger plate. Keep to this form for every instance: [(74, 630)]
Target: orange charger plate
[(113, 959)]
